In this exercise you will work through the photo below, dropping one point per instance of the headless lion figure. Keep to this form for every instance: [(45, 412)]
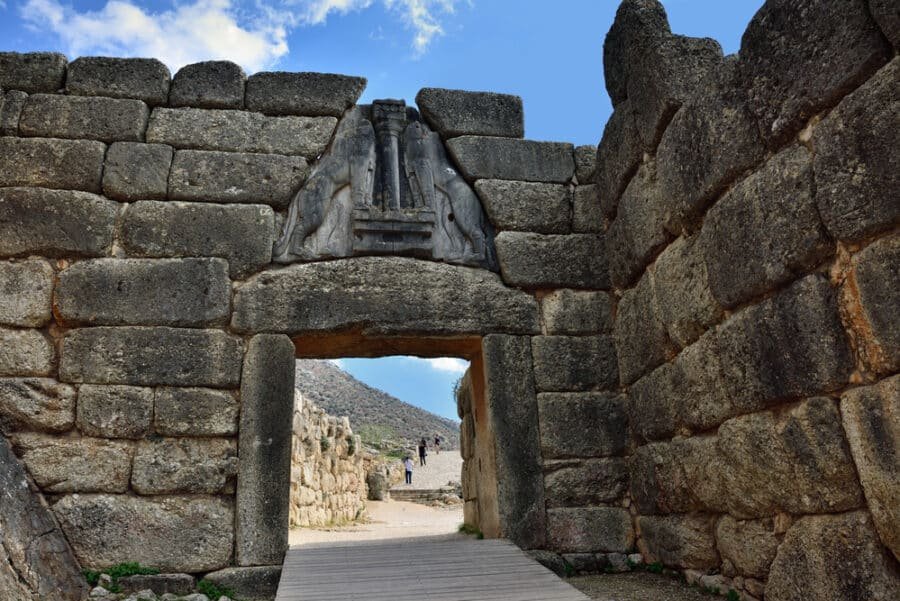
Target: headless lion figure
[(351, 161), (429, 169)]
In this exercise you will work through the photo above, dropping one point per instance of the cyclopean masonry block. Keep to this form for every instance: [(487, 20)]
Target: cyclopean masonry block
[(765, 230), (264, 472), (455, 113), (815, 545), (240, 131), (552, 261), (641, 340), (871, 417), (183, 465), (581, 529), (248, 584), (506, 158), (242, 234), (36, 562), (135, 171), (25, 291), (25, 353), (884, 14), (585, 164), (174, 292), (569, 363), (587, 211), (574, 483), (871, 301), (409, 296), (51, 163), (781, 56), (39, 221), (526, 206), (618, 157), (679, 541), (750, 545), (151, 356), (77, 117), (852, 141), (82, 465), (195, 412), (512, 412), (310, 94), (10, 109), (115, 411), (36, 404), (575, 312), (140, 78), (210, 176), (599, 417), (171, 533), (32, 72), (210, 84)]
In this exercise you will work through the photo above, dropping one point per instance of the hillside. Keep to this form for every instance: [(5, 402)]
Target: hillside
[(373, 413)]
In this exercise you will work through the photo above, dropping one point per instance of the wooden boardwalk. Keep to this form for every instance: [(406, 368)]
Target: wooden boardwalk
[(419, 569)]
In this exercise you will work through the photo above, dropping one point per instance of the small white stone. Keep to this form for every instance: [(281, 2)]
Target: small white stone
[(99, 591)]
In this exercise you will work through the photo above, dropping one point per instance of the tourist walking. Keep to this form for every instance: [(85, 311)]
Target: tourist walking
[(408, 465), (437, 444), (422, 451)]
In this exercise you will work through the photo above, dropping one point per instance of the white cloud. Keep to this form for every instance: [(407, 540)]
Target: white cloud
[(451, 364), (420, 16), (189, 32)]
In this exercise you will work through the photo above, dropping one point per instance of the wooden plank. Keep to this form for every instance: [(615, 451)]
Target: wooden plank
[(435, 568)]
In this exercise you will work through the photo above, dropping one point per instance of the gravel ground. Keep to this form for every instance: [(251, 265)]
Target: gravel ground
[(636, 586), (437, 471)]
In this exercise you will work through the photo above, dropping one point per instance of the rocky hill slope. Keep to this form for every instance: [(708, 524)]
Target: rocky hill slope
[(374, 414)]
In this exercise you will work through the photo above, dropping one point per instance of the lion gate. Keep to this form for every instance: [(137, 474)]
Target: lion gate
[(683, 343)]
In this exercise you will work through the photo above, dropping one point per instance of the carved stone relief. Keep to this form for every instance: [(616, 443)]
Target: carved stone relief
[(386, 187)]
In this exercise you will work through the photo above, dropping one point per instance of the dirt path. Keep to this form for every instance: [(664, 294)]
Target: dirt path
[(637, 586), (437, 471)]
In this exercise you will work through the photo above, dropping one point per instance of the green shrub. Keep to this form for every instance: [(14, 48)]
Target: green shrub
[(91, 576), (351, 445), (213, 591), (471, 530), (733, 595), (324, 443)]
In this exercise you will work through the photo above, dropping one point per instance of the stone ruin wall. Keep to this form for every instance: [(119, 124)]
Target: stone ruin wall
[(328, 475), (691, 347)]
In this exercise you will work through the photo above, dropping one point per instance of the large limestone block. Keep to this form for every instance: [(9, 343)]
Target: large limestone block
[(210, 84), (873, 298), (25, 353), (151, 356), (871, 417), (460, 113), (211, 176), (78, 117), (570, 364), (173, 534), (310, 94), (507, 158), (680, 541), (240, 131), (55, 223), (638, 232), (683, 298), (32, 72), (264, 469), (175, 292), (782, 53), (511, 405), (750, 545), (526, 206), (702, 399), (145, 79), (135, 171), (408, 296), (856, 163), (637, 24), (38, 404), (242, 234), (183, 465), (592, 424), (114, 411), (575, 312), (10, 110), (641, 340), (589, 529), (652, 403), (65, 465), (42, 563), (552, 261), (581, 483), (195, 412), (710, 142), (618, 157), (248, 584), (885, 14), (51, 163), (764, 231), (833, 558), (25, 291), (585, 163), (587, 211)]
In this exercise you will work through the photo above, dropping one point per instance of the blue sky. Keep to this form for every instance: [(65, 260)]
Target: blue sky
[(550, 53)]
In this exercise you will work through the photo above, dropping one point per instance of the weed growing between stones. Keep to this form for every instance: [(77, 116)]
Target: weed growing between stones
[(213, 591), (471, 531)]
